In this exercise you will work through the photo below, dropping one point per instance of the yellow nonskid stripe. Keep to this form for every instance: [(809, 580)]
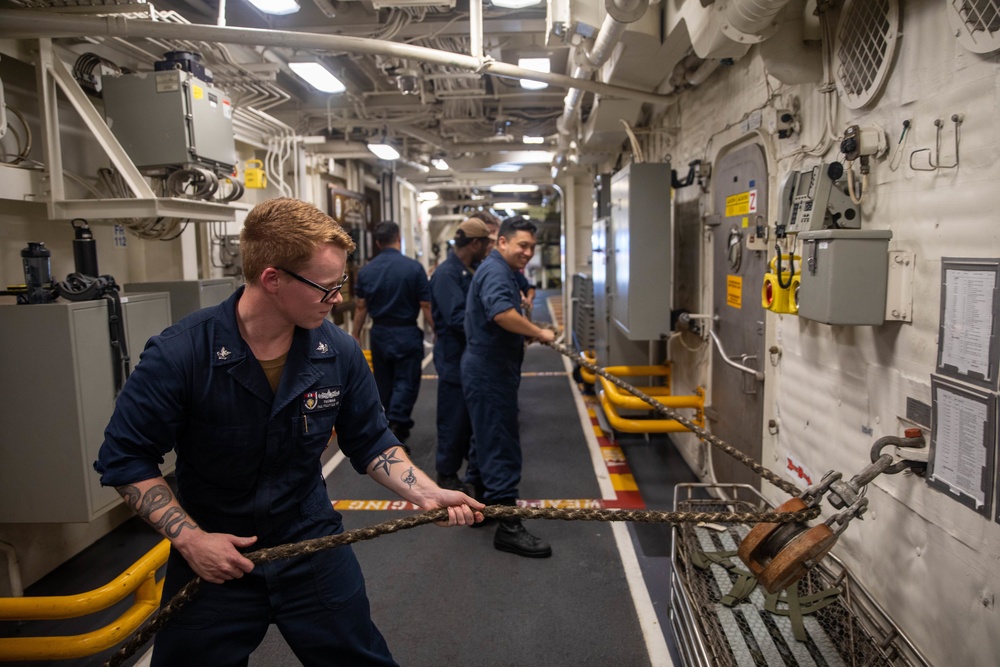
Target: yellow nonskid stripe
[(403, 505), (623, 482)]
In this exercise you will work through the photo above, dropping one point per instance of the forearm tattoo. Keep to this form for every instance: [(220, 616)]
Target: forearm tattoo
[(385, 460), (409, 478), (171, 522)]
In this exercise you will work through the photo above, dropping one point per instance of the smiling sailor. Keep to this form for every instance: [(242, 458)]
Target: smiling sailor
[(247, 393)]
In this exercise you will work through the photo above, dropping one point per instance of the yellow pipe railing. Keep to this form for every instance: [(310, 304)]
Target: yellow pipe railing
[(626, 425), (588, 376), (139, 578)]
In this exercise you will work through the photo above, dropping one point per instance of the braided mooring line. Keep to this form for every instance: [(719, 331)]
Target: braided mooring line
[(770, 476), (307, 547)]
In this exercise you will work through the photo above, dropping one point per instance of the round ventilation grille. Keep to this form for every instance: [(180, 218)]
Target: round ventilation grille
[(866, 40), (976, 24)]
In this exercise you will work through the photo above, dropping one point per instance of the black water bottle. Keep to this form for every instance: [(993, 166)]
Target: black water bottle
[(84, 249), (36, 259)]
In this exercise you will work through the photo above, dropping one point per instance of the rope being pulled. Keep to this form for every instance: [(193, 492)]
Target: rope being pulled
[(170, 609)]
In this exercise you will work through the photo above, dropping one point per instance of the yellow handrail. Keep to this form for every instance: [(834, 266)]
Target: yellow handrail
[(625, 425), (368, 358), (139, 578), (588, 376)]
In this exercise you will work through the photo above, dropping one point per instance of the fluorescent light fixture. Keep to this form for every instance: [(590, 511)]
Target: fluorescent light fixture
[(318, 77), (279, 7), (439, 164), (538, 65), (515, 4), (429, 195), (510, 205), (384, 151), (533, 140), (514, 187)]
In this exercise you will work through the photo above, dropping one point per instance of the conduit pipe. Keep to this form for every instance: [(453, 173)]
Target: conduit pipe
[(620, 14), (21, 24), (753, 19)]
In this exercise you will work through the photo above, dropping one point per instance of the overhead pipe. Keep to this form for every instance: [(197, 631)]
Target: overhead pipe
[(754, 18), (21, 24), (620, 14)]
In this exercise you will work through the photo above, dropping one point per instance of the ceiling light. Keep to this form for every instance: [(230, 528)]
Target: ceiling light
[(514, 187), (515, 4), (439, 164), (318, 77), (429, 195), (510, 205), (383, 150), (533, 140), (538, 65), (279, 7)]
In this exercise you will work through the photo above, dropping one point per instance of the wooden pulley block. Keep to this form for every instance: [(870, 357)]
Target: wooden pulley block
[(779, 554)]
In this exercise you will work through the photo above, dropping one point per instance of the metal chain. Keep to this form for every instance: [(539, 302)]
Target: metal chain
[(770, 476), (266, 555)]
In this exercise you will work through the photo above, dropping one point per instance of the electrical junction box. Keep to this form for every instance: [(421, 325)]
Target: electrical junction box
[(171, 119), (844, 273), (642, 231), (187, 296), (58, 393)]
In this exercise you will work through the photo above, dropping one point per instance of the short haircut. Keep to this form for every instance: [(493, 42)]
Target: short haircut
[(285, 232), (518, 223), (386, 232), (486, 217)]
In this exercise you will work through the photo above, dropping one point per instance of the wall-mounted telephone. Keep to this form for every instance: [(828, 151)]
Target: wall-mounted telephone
[(812, 200)]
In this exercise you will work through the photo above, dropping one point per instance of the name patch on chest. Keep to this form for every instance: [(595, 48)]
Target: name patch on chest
[(323, 398)]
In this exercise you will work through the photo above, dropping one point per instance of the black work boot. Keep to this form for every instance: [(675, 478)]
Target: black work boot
[(513, 537)]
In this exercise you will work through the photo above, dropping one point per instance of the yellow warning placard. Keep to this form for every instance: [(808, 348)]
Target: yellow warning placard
[(738, 204), (734, 291), (197, 92)]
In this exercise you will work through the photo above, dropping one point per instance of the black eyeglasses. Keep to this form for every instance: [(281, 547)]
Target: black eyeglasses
[(328, 292)]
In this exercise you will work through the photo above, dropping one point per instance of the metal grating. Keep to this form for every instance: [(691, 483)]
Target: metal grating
[(866, 39), (852, 630), (976, 24), (583, 311)]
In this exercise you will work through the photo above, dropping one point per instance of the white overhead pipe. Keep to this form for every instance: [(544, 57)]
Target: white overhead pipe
[(476, 28), (620, 14), (753, 17), (21, 24)]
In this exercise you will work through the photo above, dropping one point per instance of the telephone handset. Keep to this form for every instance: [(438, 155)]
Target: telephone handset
[(813, 200)]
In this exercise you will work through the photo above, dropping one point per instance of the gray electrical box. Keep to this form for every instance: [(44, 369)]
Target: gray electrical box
[(57, 391), (188, 296), (643, 245), (843, 276), (170, 118)]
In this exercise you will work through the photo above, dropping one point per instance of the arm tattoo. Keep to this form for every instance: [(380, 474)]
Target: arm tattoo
[(173, 521), (131, 495), (385, 460), (409, 478)]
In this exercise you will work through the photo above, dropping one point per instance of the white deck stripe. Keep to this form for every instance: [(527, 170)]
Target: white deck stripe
[(652, 631)]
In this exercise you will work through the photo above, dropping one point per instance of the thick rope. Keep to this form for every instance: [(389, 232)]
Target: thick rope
[(770, 476), (306, 547)]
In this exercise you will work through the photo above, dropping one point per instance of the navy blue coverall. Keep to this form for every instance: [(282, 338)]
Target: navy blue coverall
[(248, 463), (449, 289), (393, 286), (491, 376)]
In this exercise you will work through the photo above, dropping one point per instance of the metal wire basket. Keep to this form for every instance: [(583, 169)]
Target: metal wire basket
[(850, 631)]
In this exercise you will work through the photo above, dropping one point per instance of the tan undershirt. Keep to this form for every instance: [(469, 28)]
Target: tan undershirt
[(273, 369)]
